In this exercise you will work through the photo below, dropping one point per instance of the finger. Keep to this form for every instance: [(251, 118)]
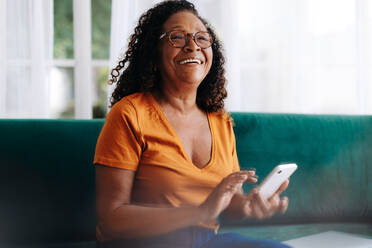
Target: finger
[(260, 213), (252, 179), (234, 182), (249, 173), (247, 209), (283, 206), (230, 186), (272, 206), (243, 172), (233, 179), (274, 203), (233, 186), (282, 187), (256, 211), (240, 177), (245, 176), (262, 203)]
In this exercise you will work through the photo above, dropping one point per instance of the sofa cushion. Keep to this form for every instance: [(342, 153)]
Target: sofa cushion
[(287, 232)]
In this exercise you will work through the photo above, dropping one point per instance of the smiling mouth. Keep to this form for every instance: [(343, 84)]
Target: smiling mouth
[(190, 61)]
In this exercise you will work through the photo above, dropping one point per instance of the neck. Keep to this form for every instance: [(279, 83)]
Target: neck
[(183, 103)]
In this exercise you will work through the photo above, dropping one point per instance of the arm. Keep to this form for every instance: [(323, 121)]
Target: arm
[(118, 218)]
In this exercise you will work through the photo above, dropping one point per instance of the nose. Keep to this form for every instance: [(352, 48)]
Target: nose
[(191, 44)]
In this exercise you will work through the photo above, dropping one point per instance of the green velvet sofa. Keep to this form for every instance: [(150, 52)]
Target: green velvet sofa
[(47, 185)]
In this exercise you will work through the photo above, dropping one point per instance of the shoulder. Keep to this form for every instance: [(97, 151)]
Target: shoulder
[(135, 100), (222, 124), (222, 118), (131, 105)]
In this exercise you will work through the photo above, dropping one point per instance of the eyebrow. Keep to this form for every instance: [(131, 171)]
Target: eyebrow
[(181, 27), (178, 26)]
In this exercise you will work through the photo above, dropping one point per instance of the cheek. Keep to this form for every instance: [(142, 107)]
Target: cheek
[(166, 56), (165, 62), (210, 59)]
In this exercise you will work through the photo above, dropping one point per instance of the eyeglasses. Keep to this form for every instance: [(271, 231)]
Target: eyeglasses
[(179, 39)]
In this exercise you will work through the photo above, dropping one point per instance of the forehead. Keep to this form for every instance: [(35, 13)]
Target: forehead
[(184, 20)]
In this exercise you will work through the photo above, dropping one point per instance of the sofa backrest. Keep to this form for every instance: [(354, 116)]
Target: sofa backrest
[(47, 177), (334, 179), (47, 184)]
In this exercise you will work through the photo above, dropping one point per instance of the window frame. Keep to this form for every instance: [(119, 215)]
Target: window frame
[(83, 64)]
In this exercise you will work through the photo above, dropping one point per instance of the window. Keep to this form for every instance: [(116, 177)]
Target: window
[(306, 56), (65, 81)]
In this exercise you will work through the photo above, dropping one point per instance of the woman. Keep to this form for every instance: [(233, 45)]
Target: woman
[(166, 160)]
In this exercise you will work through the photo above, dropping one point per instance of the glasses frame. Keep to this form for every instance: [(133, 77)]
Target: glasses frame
[(187, 35)]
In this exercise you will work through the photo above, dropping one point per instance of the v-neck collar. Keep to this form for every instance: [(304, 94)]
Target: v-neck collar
[(162, 115)]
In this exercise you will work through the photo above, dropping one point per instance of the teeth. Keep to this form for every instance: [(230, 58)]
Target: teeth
[(190, 61)]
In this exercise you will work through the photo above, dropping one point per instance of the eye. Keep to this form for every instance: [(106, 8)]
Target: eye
[(203, 37), (177, 36)]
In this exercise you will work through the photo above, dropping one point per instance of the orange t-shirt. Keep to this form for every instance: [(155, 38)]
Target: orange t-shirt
[(137, 136)]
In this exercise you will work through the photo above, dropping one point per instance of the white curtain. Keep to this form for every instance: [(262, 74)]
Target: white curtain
[(26, 50), (298, 56), (307, 56), (124, 18)]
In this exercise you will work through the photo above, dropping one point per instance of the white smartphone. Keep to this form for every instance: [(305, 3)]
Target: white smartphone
[(276, 177)]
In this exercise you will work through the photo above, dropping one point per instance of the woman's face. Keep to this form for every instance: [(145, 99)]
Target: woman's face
[(173, 64)]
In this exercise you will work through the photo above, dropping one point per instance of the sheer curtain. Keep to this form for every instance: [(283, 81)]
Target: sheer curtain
[(298, 56), (124, 18), (26, 45), (308, 56)]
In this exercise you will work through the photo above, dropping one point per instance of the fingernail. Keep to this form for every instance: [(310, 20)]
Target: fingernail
[(252, 169)]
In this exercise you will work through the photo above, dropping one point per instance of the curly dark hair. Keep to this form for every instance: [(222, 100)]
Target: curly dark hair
[(140, 70)]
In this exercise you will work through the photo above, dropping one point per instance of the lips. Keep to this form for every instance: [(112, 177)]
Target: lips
[(190, 61)]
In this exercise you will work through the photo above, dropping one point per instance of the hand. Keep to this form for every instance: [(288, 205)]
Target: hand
[(221, 196), (260, 208)]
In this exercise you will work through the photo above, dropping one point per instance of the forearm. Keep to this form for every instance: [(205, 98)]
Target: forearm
[(133, 221)]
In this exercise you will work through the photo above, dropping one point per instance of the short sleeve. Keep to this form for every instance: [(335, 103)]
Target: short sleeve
[(226, 132), (236, 166), (119, 143)]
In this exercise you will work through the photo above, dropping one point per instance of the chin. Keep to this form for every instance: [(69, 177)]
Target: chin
[(196, 81)]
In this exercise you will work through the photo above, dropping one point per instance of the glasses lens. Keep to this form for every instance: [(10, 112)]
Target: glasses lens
[(203, 39), (177, 38)]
